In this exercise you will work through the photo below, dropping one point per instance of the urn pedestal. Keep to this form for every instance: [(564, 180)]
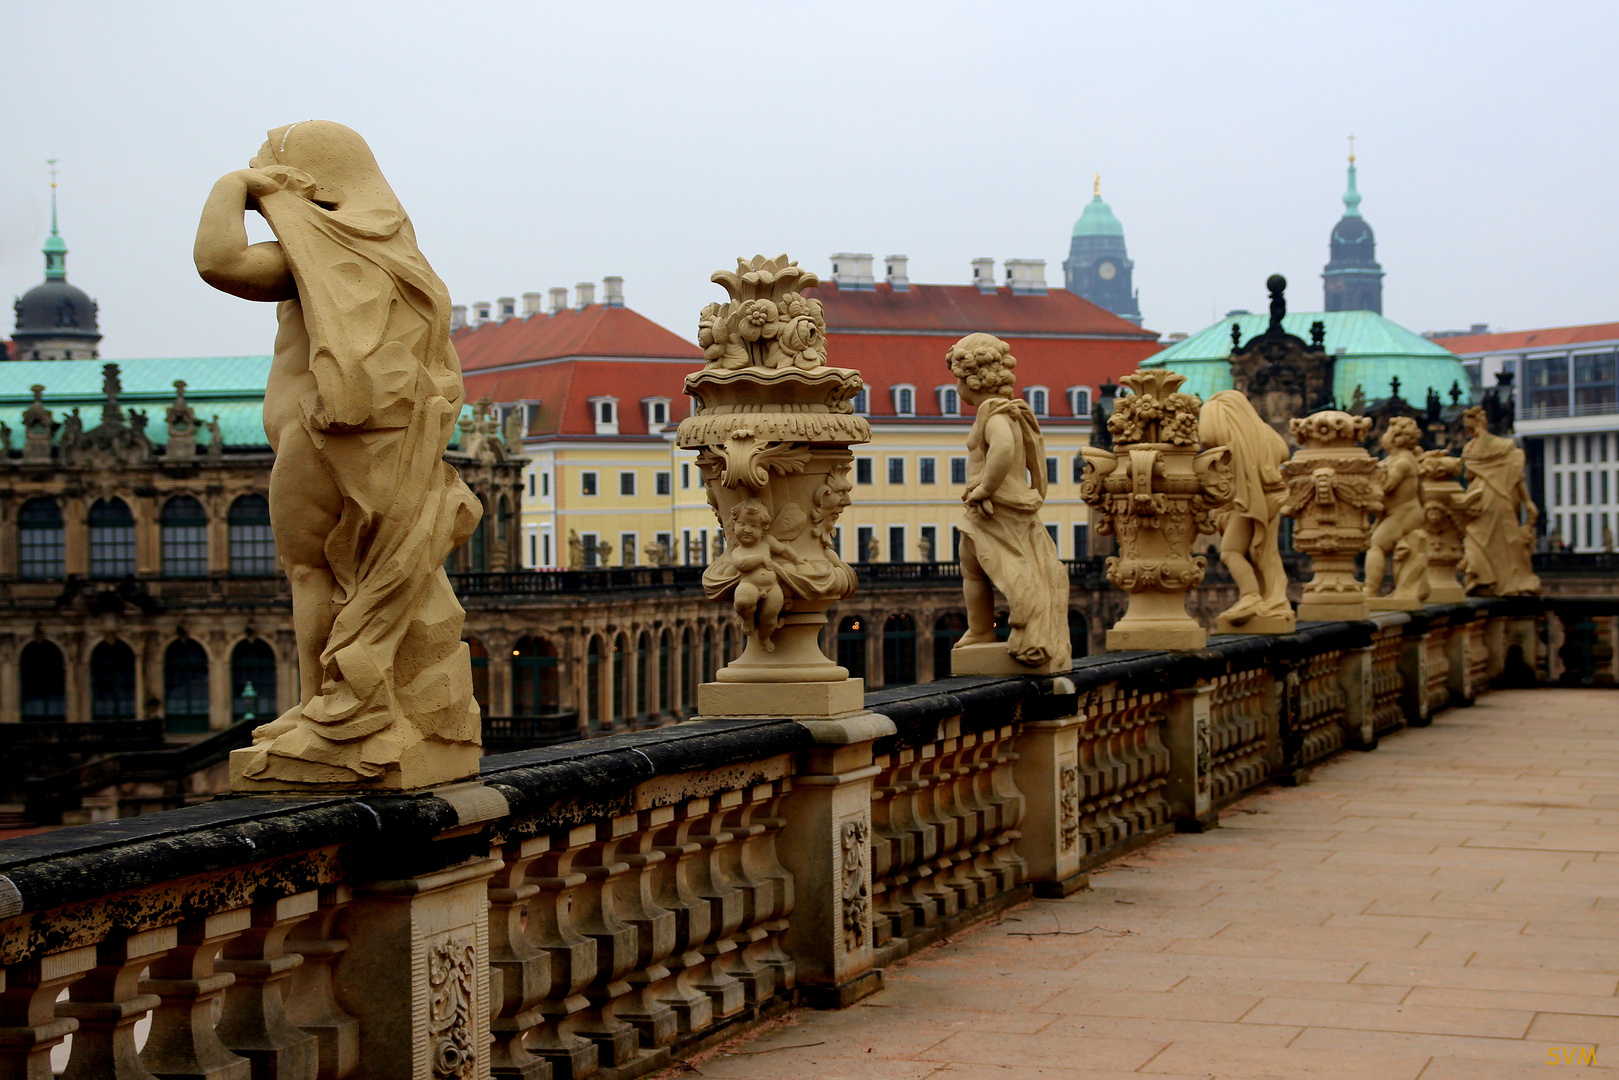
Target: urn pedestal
[(1332, 485), (1445, 525)]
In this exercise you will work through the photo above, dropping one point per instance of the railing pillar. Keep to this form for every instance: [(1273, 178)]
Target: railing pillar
[(29, 1026), (1047, 772), (182, 1042), (1414, 664), (107, 1002), (1189, 741), (826, 846), (1459, 659), (310, 999), (416, 974), (1360, 698)]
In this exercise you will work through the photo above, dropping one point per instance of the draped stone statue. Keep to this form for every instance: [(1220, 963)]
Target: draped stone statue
[(1003, 543), (1249, 524), (1499, 543), (1399, 522), (362, 397)]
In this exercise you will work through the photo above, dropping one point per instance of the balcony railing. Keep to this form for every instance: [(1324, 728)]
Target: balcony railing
[(1534, 411)]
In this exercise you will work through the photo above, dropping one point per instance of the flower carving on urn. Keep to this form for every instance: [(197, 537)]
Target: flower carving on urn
[(1333, 484), (1156, 490)]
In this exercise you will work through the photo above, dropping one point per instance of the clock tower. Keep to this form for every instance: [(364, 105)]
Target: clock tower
[(1353, 280), (1097, 266)]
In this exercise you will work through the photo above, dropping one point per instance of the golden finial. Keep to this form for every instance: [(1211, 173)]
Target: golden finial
[(1096, 187), (1351, 149)]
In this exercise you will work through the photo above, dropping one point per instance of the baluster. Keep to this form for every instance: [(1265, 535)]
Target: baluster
[(693, 1009), (253, 1022), (724, 904), (596, 915), (759, 894), (962, 796), (938, 834), (760, 855), (572, 957), (519, 972), (654, 928), (911, 884), (29, 1025), (893, 848), (107, 1002), (310, 1001), (182, 1042)]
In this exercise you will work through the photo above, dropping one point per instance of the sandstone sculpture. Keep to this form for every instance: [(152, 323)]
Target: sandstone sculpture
[(1003, 543), (576, 551), (1249, 525), (773, 427), (1399, 522), (1157, 491), (361, 402), (1445, 525), (1499, 543), (1332, 486)]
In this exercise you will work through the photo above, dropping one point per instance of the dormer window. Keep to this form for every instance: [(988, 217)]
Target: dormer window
[(904, 401), (861, 402), (657, 412), (949, 401), (1079, 401), (604, 411), (1036, 397)]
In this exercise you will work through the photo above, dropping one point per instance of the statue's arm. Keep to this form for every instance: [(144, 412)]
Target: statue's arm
[(224, 257), (1001, 452)]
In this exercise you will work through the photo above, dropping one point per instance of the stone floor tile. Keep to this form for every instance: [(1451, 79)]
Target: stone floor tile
[(1225, 1004), (1449, 1068), (1484, 977), (1045, 1050), (1349, 1040), (1240, 989), (1221, 1062), (1556, 1027), (1165, 1030), (976, 1071), (1580, 1004), (1496, 1023)]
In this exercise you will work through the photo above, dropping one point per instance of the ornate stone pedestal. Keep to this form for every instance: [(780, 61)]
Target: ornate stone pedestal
[(1445, 525), (1331, 487), (991, 658)]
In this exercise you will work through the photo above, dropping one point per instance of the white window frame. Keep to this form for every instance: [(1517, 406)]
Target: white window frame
[(1073, 401), (888, 468), (940, 393), (861, 402), (894, 393), (604, 414), (649, 406), (1045, 399), (595, 483), (628, 474)]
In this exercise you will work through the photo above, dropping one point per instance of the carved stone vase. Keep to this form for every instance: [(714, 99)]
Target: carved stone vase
[(1445, 524), (1155, 491), (1332, 486), (773, 428)]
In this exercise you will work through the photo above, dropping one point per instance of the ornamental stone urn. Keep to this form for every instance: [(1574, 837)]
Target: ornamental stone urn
[(1446, 525), (1156, 491), (772, 430), (1332, 486)]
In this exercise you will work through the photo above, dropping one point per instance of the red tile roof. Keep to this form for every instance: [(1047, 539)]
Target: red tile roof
[(597, 330), (1551, 338), (564, 392), (964, 309)]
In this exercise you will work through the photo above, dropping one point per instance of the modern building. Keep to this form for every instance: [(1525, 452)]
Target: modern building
[(1567, 382), (1098, 268), (1353, 281)]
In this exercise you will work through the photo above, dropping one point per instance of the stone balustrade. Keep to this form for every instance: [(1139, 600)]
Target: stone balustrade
[(595, 909)]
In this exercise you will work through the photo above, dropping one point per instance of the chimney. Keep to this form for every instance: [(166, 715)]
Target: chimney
[(852, 271), (533, 304), (458, 316), (896, 273), (1027, 277), (587, 293), (559, 300), (507, 307), (984, 274), (613, 291), (480, 312)]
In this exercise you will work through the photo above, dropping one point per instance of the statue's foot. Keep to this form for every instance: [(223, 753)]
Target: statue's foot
[(970, 638), (1243, 610)]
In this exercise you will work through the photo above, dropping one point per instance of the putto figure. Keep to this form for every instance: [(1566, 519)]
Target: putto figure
[(1399, 522), (1003, 543), (1249, 523), (1499, 544), (362, 398), (749, 572)]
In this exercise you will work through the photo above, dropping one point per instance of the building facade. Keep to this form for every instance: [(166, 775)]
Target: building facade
[(1098, 268)]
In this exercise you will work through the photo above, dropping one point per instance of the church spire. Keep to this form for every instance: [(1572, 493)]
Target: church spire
[(55, 247), (1352, 196)]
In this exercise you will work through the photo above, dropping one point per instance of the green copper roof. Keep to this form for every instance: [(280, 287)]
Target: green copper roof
[(1370, 351), (1098, 220)]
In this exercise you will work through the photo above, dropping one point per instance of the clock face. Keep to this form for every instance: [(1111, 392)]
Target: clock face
[(1106, 270)]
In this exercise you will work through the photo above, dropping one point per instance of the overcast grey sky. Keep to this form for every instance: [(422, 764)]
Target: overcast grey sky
[(545, 144)]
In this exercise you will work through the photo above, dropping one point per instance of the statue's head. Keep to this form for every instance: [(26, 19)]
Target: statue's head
[(344, 170), (749, 520), (1402, 434), (1476, 421), (982, 365)]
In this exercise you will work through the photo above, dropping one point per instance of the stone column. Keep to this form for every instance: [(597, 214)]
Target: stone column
[(183, 1042), (1360, 700), (1458, 653), (76, 536), (108, 1001), (29, 1025), (1047, 772), (76, 675), (311, 1003), (826, 846), (10, 680), (1188, 739), (254, 1022), (219, 681), (1332, 485)]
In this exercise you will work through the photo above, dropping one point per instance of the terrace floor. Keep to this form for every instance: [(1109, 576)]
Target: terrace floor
[(1444, 908)]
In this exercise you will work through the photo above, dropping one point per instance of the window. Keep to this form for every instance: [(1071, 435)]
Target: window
[(185, 688), (1557, 489), (604, 411), (252, 545), (949, 401), (185, 538), (531, 485), (536, 681), (947, 630), (899, 650), (112, 682), (685, 476), (927, 470), (861, 402), (666, 542), (852, 647), (587, 483), (958, 470), (545, 485), (545, 549), (1082, 542), (837, 540), (1078, 468), (626, 549), (1036, 397), (533, 555), (896, 470), (1557, 449), (927, 544), (1588, 499), (1051, 470), (865, 539), (1079, 401), (896, 543), (955, 544), (588, 541), (1055, 543), (657, 413), (862, 470), (40, 544), (43, 678), (662, 483), (112, 540), (626, 483), (904, 401)]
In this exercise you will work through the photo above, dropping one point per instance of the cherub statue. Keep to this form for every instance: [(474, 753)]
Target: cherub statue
[(1249, 524), (1402, 502), (749, 567), (1003, 543), (576, 551)]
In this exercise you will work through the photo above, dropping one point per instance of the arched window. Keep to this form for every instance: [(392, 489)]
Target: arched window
[(710, 667), (727, 645), (40, 546), (947, 630), (899, 650), (536, 689), (252, 681), (666, 671), (904, 401), (112, 682), (1036, 397), (43, 678), (852, 646), (112, 539), (185, 688), (502, 512), (252, 544), (185, 538), (1079, 401), (593, 684), (949, 401), (478, 652), (477, 560), (689, 674), (643, 673), (1079, 635), (622, 690), (861, 401)]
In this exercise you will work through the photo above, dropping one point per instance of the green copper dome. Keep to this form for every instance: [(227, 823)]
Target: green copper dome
[(1098, 220)]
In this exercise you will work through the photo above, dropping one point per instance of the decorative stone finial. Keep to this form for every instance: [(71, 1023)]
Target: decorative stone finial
[(1156, 490), (772, 430), (1499, 543), (1445, 524), (1249, 524), (38, 426), (181, 420), (1399, 522), (1332, 486), (1003, 543)]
